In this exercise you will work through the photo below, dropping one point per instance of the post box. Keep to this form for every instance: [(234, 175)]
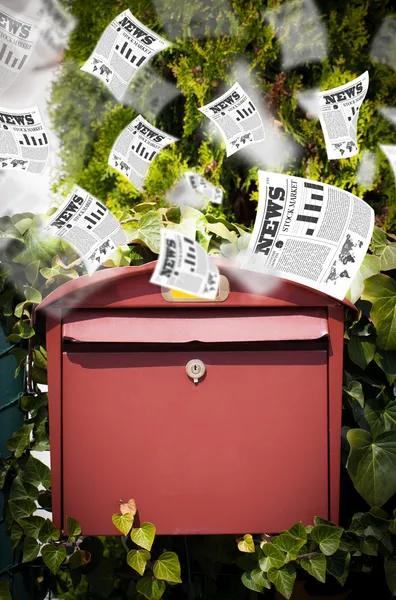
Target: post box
[(215, 416)]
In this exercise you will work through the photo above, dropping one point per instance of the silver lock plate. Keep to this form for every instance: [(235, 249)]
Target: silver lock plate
[(195, 369)]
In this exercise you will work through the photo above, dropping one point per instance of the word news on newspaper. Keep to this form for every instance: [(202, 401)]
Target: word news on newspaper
[(237, 118), (124, 47), (136, 147), (24, 144), (339, 113), (183, 265), (17, 40), (309, 232), (89, 226)]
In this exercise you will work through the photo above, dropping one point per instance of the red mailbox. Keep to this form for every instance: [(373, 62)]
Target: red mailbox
[(245, 438)]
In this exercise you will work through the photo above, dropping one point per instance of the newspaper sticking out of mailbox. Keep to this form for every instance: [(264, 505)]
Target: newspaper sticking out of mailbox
[(183, 265), (309, 232), (339, 113), (89, 226)]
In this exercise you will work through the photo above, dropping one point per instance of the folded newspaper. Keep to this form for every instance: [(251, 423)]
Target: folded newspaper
[(56, 25), (89, 226), (309, 232), (136, 147), (24, 142), (18, 37), (193, 190), (183, 265), (237, 118), (124, 47), (339, 113)]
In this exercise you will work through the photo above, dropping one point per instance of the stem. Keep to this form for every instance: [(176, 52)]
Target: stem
[(73, 264), (309, 555)]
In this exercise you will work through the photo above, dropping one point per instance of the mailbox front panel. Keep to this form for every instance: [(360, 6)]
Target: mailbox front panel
[(243, 450)]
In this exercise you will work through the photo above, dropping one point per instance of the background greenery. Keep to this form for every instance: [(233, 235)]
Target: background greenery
[(88, 121)]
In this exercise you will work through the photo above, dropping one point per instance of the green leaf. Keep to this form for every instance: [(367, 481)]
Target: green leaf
[(21, 490), (32, 272), (283, 579), (101, 579), (369, 546), (31, 549), (380, 290), (361, 350), (315, 566), (144, 535), (4, 590), (297, 531), (381, 418), (48, 532), (150, 587), (256, 580), (338, 566), (36, 473), (123, 522), (390, 571), (246, 543), (138, 559), (21, 508), (270, 557), (387, 362), (53, 556), (20, 440), (41, 440), (21, 331), (289, 544), (328, 537), (16, 535), (146, 230), (384, 250), (222, 231), (32, 525), (3, 474), (355, 391), (167, 567), (372, 465), (73, 527), (78, 559)]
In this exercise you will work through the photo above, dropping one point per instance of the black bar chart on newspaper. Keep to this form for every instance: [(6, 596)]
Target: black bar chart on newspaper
[(142, 151), (190, 258), (94, 217), (127, 52), (34, 140), (245, 112), (6, 56)]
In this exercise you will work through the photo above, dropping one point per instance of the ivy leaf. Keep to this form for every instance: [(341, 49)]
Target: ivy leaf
[(20, 440), (246, 543), (79, 558), (144, 535), (4, 590), (53, 556), (36, 473), (33, 403), (283, 579), (221, 231), (41, 440), (271, 557), (48, 532), (16, 535), (298, 531), (123, 522), (390, 571), (150, 587), (21, 331), (328, 538), (3, 474), (361, 350), (256, 580), (21, 508), (338, 566), (380, 290), (31, 549), (21, 490), (146, 230), (32, 525), (369, 546), (315, 566), (167, 567), (387, 362), (354, 390), (381, 418), (288, 544), (384, 250), (372, 465), (73, 527), (138, 559), (128, 507)]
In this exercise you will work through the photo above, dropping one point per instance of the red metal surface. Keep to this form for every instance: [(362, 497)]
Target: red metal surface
[(210, 325), (128, 424), (243, 450)]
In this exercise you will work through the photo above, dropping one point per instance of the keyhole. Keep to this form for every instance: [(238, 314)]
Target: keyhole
[(195, 369)]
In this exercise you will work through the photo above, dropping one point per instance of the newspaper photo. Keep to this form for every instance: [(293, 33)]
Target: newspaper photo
[(18, 37), (193, 190), (339, 113), (183, 265), (56, 25), (237, 118), (309, 232), (89, 226), (124, 47), (24, 142), (136, 147)]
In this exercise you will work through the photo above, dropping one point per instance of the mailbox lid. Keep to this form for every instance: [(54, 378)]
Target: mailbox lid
[(208, 325), (246, 449)]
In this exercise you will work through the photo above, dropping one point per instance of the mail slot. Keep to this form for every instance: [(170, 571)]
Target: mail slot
[(217, 417)]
